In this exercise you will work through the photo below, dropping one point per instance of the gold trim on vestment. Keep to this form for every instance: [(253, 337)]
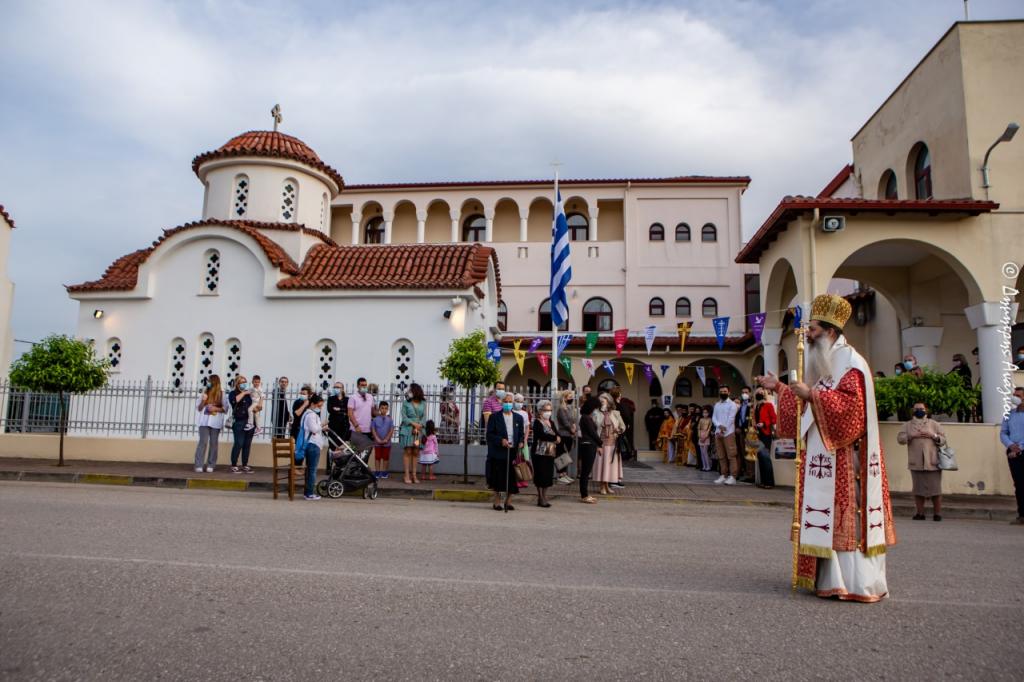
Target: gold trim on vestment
[(815, 551), (877, 550), (806, 583)]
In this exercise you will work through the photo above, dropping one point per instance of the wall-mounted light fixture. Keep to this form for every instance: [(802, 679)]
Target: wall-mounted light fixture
[(448, 314), (98, 313)]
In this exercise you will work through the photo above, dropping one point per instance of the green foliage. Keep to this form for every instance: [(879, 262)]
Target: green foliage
[(467, 364), (59, 364), (942, 393)]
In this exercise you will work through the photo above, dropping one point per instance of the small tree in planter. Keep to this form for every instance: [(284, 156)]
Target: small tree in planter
[(62, 365), (942, 393), (468, 366)]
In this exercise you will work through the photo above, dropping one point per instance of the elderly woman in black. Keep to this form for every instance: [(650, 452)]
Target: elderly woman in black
[(544, 440), (590, 440), (505, 437)]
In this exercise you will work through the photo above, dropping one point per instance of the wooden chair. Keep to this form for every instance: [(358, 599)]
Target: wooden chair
[(284, 448)]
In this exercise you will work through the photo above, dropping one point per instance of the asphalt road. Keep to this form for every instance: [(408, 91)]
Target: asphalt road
[(110, 583)]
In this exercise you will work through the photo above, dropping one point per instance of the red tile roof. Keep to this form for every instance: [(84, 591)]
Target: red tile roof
[(836, 182), (123, 274), (398, 266), (792, 207), (269, 144), (6, 215), (579, 341), (678, 180)]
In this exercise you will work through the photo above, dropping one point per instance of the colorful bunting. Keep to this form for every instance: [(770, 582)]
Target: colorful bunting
[(535, 344), (591, 342), (721, 325), (520, 358), (629, 372), (717, 371), (565, 361), (620, 340), (516, 343), (607, 364), (756, 325), (684, 331), (563, 342), (664, 368), (588, 365), (544, 359), (494, 351), (798, 315), (700, 375), (650, 331), (648, 373)]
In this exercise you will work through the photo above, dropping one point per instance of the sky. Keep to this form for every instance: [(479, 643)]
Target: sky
[(104, 104)]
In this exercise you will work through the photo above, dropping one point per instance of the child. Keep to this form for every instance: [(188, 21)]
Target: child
[(428, 455), (382, 428)]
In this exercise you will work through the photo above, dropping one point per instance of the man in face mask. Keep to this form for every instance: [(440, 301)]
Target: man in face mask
[(724, 422), (337, 411), (361, 413), (743, 415), (1019, 358), (1011, 434), (492, 403), (281, 408)]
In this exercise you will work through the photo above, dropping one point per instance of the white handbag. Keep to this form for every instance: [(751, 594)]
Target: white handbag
[(947, 458)]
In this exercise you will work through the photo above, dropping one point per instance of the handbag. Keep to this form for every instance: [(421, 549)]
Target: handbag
[(947, 458), (563, 461), (524, 472)]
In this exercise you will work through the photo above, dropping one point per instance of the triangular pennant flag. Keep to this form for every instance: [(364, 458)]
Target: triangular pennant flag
[(535, 344), (566, 361), (664, 368), (721, 325), (717, 371), (520, 358), (516, 344), (544, 359), (620, 340), (563, 342), (607, 364), (649, 333), (648, 374), (591, 342), (700, 375), (756, 325), (494, 351), (588, 365), (629, 371), (684, 331), (798, 315)]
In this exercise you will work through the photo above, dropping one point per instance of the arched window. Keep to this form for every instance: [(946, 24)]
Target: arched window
[(710, 389), (114, 349), (887, 186), (709, 308), (211, 260), (709, 233), (402, 368), (502, 316), (374, 232), (474, 229), (923, 172), (325, 213), (682, 307), (206, 356), (682, 232), (232, 360), (579, 227), (544, 318), (289, 200), (177, 364), (597, 315), (656, 308), (656, 233), (683, 388), (241, 205), (324, 353)]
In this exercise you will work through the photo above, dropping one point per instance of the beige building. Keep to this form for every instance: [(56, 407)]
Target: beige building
[(6, 291)]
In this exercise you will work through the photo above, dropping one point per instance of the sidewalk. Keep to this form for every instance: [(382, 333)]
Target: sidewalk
[(654, 481)]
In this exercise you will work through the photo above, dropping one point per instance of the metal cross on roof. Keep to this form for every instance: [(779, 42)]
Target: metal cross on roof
[(276, 114)]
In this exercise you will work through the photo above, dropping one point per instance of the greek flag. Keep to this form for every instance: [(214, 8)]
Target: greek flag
[(561, 269)]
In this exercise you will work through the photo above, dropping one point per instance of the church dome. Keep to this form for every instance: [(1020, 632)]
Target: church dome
[(272, 144)]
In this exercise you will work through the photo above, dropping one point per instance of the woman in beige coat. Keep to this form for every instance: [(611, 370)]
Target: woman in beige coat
[(608, 464), (923, 436)]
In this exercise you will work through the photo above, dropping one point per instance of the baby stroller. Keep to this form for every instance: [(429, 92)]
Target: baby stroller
[(348, 468)]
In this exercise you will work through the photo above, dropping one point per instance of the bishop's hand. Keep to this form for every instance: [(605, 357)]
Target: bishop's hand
[(769, 382), (801, 390)]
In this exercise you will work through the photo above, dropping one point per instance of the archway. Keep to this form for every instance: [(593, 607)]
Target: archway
[(438, 228)]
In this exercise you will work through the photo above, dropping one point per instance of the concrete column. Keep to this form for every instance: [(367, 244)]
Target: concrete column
[(489, 230), (923, 343), (524, 225), (357, 220), (593, 223), (388, 219), (421, 226), (771, 341), (989, 320)]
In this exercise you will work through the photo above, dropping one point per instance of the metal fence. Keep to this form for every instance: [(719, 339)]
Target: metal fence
[(160, 409)]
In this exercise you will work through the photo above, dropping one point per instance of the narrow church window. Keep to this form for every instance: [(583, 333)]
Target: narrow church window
[(177, 363), (325, 213), (206, 355), (212, 262), (232, 360), (402, 357), (114, 349), (241, 196), (324, 368), (289, 200)]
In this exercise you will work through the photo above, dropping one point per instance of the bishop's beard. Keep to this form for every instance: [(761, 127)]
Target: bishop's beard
[(818, 360)]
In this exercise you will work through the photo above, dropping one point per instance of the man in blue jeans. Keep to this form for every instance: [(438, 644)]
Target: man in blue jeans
[(1012, 436)]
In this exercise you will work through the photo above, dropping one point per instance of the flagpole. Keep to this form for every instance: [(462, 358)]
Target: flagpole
[(554, 326)]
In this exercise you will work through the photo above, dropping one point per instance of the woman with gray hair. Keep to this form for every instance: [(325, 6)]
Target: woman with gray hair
[(545, 441)]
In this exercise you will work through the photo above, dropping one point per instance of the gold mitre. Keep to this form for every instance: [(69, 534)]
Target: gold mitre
[(831, 308)]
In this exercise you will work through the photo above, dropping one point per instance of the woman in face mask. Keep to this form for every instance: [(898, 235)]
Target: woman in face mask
[(519, 407), (608, 465), (314, 441), (923, 437), (337, 411), (243, 428), (410, 433), (545, 441)]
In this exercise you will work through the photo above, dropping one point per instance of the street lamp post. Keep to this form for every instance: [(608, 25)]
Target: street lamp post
[(1007, 135)]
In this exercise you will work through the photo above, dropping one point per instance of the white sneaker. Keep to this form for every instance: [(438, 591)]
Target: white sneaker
[(200, 470), (720, 480), (312, 497), (210, 469), (730, 481)]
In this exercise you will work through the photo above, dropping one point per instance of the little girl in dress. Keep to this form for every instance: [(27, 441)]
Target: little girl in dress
[(428, 453)]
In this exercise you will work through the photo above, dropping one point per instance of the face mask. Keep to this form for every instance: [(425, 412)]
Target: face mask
[(899, 371), (1020, 356), (919, 414), (760, 396), (723, 396), (317, 410), (242, 386), (304, 396), (499, 393), (506, 407), (568, 400), (518, 406), (362, 389), (907, 364), (335, 392), (1016, 401), (746, 396), (546, 414)]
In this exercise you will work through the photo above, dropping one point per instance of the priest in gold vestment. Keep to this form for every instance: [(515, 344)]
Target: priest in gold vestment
[(845, 514)]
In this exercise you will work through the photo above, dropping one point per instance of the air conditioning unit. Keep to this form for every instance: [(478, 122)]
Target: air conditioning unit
[(833, 223)]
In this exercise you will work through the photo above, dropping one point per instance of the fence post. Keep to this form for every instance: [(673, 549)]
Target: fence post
[(145, 405), (26, 406)]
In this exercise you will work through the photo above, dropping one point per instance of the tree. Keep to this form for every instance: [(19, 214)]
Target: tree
[(62, 365), (468, 366), (942, 393)]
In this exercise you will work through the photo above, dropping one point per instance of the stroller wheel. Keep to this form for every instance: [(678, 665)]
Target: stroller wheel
[(321, 488), (335, 489), (372, 491)]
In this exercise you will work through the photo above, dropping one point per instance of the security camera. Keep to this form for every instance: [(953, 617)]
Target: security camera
[(448, 314)]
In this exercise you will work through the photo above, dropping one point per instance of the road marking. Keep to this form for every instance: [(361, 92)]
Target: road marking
[(451, 581)]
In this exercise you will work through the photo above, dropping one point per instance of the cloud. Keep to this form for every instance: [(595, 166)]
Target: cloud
[(108, 102)]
